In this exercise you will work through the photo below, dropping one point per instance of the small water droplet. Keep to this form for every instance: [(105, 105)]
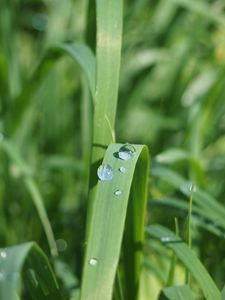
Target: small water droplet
[(61, 245), (93, 262), (188, 187), (2, 277), (126, 152), (165, 239), (122, 170), (105, 172), (3, 254), (118, 193)]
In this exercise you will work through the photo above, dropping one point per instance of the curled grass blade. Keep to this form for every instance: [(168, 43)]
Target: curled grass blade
[(107, 223), (27, 262), (188, 258)]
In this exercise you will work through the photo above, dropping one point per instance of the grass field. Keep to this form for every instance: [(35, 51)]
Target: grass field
[(112, 142)]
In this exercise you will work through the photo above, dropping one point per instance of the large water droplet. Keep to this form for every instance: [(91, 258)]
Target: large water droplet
[(118, 193), (126, 152), (93, 262), (105, 172), (122, 170), (3, 254)]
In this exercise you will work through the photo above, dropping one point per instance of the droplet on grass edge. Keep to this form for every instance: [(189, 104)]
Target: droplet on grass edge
[(105, 172), (126, 152), (93, 262), (3, 254), (122, 170), (118, 193), (165, 239)]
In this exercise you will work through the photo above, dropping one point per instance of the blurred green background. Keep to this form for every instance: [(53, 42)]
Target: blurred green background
[(171, 97)]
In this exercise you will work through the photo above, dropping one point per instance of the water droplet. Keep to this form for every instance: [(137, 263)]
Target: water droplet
[(122, 170), (93, 262), (61, 245), (126, 152), (165, 239), (105, 172), (2, 277), (3, 254), (188, 187), (118, 193)]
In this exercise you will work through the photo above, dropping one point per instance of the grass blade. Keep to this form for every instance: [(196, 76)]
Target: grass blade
[(212, 209), (176, 293), (27, 261), (188, 258), (109, 39), (32, 188), (107, 222), (80, 53)]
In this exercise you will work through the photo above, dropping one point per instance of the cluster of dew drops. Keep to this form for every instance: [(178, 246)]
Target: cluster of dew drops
[(105, 173)]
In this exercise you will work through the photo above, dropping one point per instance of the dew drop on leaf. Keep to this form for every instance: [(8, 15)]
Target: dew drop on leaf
[(93, 262), (126, 152), (165, 239), (122, 170), (105, 172), (118, 193), (3, 254)]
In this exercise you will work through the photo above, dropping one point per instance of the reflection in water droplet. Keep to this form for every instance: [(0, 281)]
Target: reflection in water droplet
[(105, 172), (126, 152), (165, 239), (3, 254), (122, 170), (118, 193), (93, 262)]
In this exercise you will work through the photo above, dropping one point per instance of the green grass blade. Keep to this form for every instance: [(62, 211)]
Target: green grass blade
[(109, 39), (86, 60), (33, 190), (188, 258), (182, 292), (223, 294), (203, 9), (26, 261), (107, 222), (212, 208), (80, 53)]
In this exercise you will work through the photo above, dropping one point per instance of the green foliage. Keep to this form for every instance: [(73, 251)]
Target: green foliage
[(27, 262)]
